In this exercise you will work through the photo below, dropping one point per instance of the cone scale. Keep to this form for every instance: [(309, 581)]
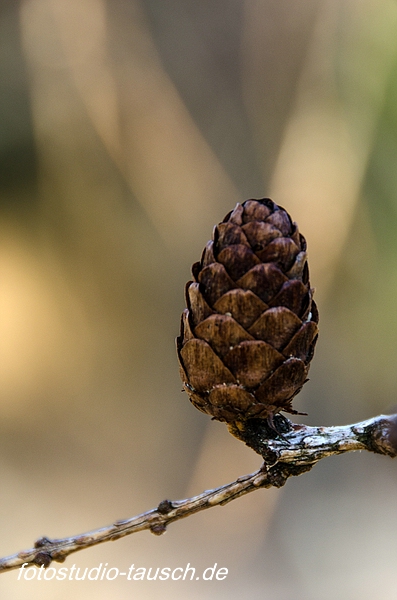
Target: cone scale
[(250, 327)]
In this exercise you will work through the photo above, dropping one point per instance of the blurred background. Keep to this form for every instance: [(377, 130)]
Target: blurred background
[(128, 129)]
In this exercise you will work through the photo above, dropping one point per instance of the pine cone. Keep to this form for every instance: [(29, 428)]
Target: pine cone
[(248, 334)]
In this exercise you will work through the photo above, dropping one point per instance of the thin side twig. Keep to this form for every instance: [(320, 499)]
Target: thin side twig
[(288, 449)]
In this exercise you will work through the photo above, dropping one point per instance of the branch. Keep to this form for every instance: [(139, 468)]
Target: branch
[(296, 444), (288, 449)]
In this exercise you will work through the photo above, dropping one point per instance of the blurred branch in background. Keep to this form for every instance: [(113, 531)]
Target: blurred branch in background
[(132, 104), (329, 135)]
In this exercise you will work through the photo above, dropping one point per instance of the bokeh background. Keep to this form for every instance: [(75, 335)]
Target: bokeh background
[(128, 129)]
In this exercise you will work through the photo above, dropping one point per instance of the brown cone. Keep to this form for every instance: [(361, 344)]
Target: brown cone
[(248, 334)]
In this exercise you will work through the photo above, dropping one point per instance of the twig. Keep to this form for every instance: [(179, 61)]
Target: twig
[(287, 448), (291, 443)]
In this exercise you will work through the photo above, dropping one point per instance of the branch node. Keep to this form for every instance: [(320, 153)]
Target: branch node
[(43, 541), (42, 559), (165, 507), (381, 437), (158, 528)]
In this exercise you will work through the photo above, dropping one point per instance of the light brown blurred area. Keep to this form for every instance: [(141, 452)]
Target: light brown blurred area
[(127, 130)]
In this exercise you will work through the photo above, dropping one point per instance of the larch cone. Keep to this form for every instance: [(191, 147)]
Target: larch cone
[(250, 327)]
